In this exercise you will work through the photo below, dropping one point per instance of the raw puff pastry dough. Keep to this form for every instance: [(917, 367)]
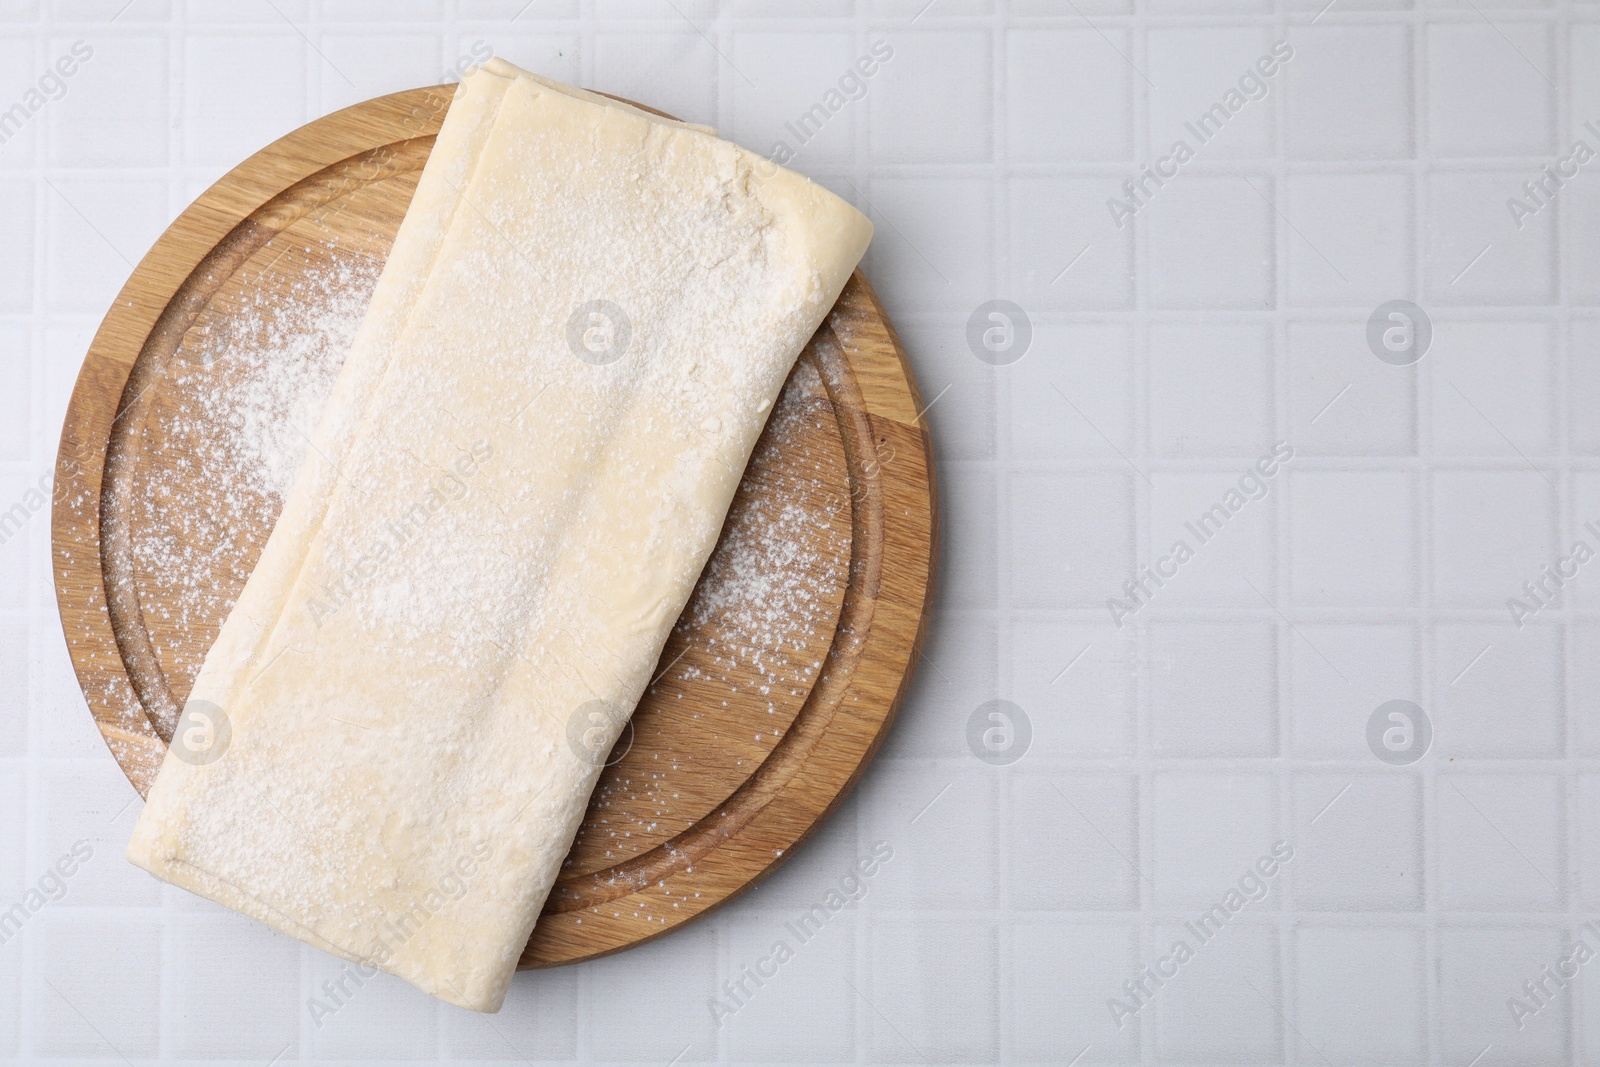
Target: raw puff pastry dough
[(490, 532)]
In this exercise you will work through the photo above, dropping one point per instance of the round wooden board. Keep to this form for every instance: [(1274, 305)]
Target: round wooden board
[(775, 688)]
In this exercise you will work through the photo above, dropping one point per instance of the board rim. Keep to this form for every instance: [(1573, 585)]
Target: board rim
[(882, 401)]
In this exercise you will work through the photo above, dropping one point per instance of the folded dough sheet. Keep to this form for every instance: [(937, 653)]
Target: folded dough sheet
[(524, 463)]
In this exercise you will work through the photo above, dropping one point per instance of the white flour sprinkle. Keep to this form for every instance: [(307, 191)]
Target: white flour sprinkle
[(232, 425), (283, 355)]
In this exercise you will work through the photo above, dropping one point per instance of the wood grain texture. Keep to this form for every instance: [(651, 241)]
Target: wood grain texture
[(755, 727)]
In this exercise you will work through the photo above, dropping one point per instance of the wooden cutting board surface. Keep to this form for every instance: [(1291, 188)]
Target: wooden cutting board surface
[(780, 678)]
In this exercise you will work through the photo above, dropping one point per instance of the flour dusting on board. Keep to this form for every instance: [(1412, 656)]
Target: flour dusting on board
[(247, 389), (285, 355), (759, 583), (754, 633)]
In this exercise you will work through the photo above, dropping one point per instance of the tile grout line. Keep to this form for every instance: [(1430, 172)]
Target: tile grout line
[(1282, 587), (1421, 430), (1002, 278), (33, 850)]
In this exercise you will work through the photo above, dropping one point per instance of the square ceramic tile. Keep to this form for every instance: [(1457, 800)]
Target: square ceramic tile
[(16, 357), (1234, 975), (959, 671), (1084, 851), (15, 873), (112, 110), (95, 231), (1331, 510), (968, 574), (783, 9), (10, 1002), (1210, 829), (21, 65), (1079, 682), (1470, 115), (1586, 855), (1338, 109), (914, 9), (943, 826), (22, 523), (1580, 229), (368, 10), (1213, 689), (1071, 396), (1339, 864), (1491, 530), (932, 247), (689, 10), (1339, 675), (1211, 389), (635, 66), (538, 1021), (1583, 685), (1211, 242), (1066, 251), (666, 986), (1081, 67), (1343, 400), (1563, 580), (99, 989), (932, 102), (1389, 1001), (1070, 538), (1477, 251), (806, 106), (383, 1018), (88, 809), (952, 1009), (553, 55), (1208, 92), (240, 93), (1493, 389), (1501, 842), (1061, 974), (377, 64), (16, 235), (1352, 239), (238, 990), (1499, 690), (1481, 969), (800, 1011)]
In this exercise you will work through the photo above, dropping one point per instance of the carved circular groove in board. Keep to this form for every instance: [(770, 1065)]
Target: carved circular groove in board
[(720, 780)]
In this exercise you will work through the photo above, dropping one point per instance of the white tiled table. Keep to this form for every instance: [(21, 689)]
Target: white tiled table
[(1167, 755)]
